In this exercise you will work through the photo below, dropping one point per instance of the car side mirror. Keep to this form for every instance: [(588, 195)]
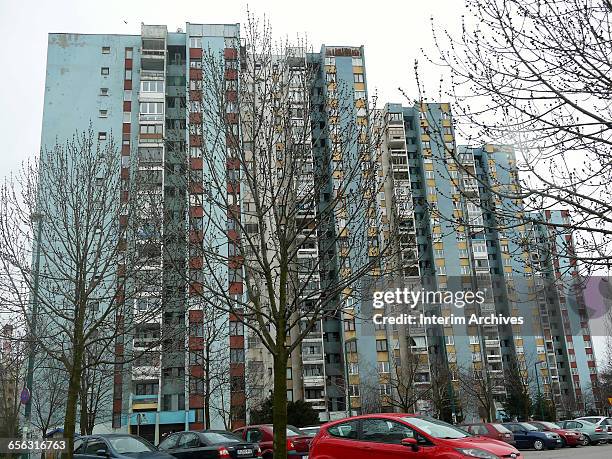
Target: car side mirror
[(410, 442), (102, 453)]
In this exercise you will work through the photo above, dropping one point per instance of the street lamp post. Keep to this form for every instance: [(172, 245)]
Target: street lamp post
[(37, 219), (535, 366)]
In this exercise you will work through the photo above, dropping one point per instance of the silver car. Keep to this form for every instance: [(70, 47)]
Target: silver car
[(602, 421)]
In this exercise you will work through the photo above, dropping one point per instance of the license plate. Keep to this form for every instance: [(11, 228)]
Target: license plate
[(244, 452)]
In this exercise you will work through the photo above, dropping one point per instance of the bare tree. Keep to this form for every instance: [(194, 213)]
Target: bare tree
[(71, 232), (477, 388), (96, 395), (12, 365), (48, 406), (518, 386), (408, 381), (209, 377), (445, 397), (536, 74), (289, 188)]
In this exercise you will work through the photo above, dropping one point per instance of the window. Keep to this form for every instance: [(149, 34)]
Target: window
[(236, 328), (349, 324), (344, 430), (104, 91), (152, 86), (169, 442), (94, 445), (358, 77), (381, 345), (253, 435), (351, 346), (353, 390), (449, 339), (189, 440), (360, 95), (195, 42), (383, 367), (236, 355), (106, 50), (384, 389), (104, 71), (128, 74), (330, 60), (129, 53), (103, 113), (357, 62), (101, 135), (353, 368), (385, 431), (151, 108)]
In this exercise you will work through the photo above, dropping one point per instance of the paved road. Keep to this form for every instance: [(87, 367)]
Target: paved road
[(582, 452)]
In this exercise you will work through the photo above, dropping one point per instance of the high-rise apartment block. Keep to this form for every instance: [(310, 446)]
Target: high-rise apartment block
[(148, 90)]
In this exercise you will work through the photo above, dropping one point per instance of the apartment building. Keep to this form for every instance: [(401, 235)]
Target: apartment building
[(150, 91), (438, 196)]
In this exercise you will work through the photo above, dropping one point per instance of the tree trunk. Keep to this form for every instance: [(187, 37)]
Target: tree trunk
[(72, 401), (84, 420), (279, 409), (74, 384)]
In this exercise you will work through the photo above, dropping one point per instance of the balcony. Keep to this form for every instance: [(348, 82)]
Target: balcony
[(312, 357), (396, 138), (314, 381), (491, 343)]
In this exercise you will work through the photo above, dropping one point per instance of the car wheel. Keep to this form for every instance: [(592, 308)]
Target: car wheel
[(586, 441), (538, 445)]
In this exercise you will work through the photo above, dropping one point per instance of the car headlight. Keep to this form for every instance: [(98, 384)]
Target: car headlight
[(475, 452), (549, 435)]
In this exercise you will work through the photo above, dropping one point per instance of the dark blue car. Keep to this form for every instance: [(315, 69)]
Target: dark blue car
[(116, 446), (527, 436)]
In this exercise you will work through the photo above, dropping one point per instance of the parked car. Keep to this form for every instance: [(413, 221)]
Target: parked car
[(209, 444), (298, 443), (603, 421), (492, 430), (528, 436), (571, 438), (593, 434), (310, 431), (116, 446), (395, 435)]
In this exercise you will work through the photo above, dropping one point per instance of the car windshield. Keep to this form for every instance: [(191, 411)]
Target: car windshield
[(437, 429), (528, 426), (126, 445), (213, 438), (500, 428), (550, 425)]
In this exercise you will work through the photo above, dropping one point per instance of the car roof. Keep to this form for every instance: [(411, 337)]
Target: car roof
[(110, 435), (375, 415)]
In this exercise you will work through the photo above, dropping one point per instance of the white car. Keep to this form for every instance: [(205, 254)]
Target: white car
[(310, 431), (602, 421)]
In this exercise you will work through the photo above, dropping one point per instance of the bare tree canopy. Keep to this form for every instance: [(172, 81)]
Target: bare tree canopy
[(284, 224), (65, 225), (536, 74)]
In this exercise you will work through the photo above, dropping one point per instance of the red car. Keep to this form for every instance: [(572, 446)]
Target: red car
[(568, 437), (491, 430), (398, 436), (297, 443)]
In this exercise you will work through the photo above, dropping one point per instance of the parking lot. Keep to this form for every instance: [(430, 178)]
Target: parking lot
[(584, 452)]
